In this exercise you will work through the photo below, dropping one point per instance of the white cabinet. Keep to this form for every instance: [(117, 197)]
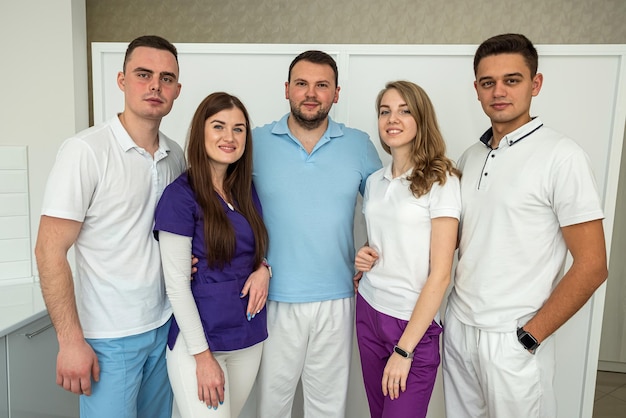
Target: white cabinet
[(4, 389), (31, 353)]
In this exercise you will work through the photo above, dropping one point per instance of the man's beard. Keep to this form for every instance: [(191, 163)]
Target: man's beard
[(310, 123)]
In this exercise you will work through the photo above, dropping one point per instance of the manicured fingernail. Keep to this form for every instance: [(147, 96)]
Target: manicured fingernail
[(215, 407), (253, 315), (258, 311), (241, 295), (249, 316), (221, 402)]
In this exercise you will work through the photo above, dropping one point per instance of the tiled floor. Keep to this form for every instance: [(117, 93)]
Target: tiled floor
[(610, 400)]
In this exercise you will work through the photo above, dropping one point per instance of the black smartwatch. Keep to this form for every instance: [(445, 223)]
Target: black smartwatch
[(525, 338), (402, 352)]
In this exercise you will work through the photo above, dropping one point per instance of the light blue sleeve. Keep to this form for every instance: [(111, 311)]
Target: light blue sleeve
[(372, 163)]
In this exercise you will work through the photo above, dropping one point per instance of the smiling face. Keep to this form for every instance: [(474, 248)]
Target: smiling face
[(396, 125), (505, 90), (225, 138), (150, 83), (311, 92)]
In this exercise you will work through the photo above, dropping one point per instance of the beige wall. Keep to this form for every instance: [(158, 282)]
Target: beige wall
[(358, 21), (355, 21)]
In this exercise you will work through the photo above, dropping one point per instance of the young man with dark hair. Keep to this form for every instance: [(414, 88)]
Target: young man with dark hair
[(112, 317), (529, 197)]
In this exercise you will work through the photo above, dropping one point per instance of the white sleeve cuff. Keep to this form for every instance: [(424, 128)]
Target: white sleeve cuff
[(176, 260)]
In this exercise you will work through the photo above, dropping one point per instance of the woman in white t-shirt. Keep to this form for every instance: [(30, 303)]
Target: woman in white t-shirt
[(411, 207)]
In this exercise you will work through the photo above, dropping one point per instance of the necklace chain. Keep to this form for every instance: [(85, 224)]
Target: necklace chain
[(223, 196)]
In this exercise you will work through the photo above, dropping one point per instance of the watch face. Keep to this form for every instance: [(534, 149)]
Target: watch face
[(527, 340)]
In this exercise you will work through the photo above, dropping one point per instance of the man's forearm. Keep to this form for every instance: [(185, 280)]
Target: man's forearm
[(568, 297), (56, 236), (588, 271), (58, 291)]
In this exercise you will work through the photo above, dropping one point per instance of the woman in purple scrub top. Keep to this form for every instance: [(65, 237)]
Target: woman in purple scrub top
[(212, 211)]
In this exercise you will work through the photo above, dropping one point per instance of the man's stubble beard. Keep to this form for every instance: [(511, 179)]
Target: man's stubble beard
[(311, 123)]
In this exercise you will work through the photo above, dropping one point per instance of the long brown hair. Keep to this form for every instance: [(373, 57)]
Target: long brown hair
[(219, 234), (428, 152)]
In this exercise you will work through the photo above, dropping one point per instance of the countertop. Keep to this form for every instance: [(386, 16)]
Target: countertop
[(20, 304)]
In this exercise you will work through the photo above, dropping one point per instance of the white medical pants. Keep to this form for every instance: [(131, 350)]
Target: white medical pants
[(312, 341), (491, 375), (240, 369)]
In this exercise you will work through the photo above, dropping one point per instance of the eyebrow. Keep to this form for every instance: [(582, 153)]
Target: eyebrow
[(224, 123), (144, 70), (488, 77), (400, 105), (163, 73), (295, 80)]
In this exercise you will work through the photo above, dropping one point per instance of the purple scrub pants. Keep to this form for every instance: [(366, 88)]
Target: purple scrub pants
[(377, 333)]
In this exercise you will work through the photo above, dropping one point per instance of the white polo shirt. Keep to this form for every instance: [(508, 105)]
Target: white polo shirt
[(399, 228), (104, 180), (515, 199)]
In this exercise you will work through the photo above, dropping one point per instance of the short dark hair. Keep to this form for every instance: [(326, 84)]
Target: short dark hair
[(150, 41), (316, 57), (508, 43)]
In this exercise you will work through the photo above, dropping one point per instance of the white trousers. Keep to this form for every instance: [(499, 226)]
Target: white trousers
[(312, 341), (240, 369), (491, 375)]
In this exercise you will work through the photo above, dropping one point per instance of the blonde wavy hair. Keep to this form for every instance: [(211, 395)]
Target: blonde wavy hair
[(428, 153)]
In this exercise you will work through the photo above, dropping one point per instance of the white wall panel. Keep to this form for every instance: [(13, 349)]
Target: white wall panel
[(583, 95), (15, 247)]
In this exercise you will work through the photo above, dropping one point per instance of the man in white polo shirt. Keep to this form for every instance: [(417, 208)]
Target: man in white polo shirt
[(112, 318), (529, 197)]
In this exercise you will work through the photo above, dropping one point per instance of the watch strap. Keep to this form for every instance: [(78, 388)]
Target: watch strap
[(527, 340), (403, 352)]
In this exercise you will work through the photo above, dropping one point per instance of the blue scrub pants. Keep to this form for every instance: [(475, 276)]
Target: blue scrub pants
[(133, 377)]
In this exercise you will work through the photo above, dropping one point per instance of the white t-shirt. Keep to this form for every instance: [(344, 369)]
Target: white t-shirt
[(104, 180), (516, 198), (399, 229)]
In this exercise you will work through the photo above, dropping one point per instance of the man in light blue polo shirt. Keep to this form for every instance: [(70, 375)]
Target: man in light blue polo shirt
[(308, 171)]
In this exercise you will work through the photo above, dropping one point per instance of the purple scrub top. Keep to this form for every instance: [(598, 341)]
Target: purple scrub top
[(215, 290)]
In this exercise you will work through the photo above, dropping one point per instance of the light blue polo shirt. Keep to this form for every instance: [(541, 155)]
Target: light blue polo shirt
[(308, 207)]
